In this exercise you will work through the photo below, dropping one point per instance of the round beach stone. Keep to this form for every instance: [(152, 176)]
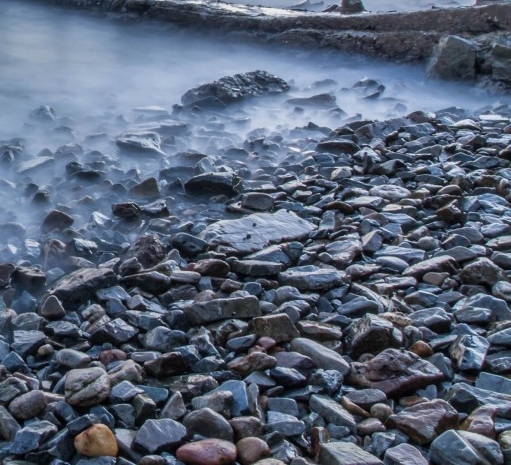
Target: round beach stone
[(86, 386), (28, 405), (96, 441), (251, 449), (208, 452)]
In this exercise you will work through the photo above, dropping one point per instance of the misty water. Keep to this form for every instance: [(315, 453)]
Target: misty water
[(96, 71)]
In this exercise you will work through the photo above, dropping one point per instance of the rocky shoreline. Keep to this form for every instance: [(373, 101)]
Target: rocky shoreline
[(485, 31), (329, 295)]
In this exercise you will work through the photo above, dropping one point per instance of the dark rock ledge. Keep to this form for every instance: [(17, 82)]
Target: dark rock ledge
[(408, 36)]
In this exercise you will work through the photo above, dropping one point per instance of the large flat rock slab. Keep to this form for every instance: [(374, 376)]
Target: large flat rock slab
[(254, 232)]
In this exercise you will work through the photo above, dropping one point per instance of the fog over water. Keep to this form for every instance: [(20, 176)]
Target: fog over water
[(94, 70)]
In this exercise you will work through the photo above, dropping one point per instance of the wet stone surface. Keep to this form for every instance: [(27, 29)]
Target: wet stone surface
[(299, 296)]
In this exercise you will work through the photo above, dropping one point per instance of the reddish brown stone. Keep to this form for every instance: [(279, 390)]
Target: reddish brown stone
[(208, 452)]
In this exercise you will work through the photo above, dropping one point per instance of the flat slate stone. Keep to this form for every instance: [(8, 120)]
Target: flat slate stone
[(332, 412), (312, 278), (346, 453), (255, 232), (322, 356)]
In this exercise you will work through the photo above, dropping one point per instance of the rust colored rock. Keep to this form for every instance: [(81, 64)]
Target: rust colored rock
[(208, 452), (422, 349), (96, 441), (481, 421), (395, 372), (423, 422)]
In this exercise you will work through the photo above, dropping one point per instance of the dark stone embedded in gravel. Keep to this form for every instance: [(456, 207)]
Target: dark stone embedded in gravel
[(312, 278), (344, 453), (208, 423), (82, 284), (254, 232), (56, 219), (32, 436), (465, 398), (394, 372), (159, 435), (469, 351), (212, 183), (147, 249), (221, 309), (453, 447), (27, 342), (322, 356), (279, 327), (237, 87), (425, 421), (371, 334), (332, 412)]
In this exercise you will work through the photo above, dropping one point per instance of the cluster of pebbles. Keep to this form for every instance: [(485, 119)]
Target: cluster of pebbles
[(301, 295)]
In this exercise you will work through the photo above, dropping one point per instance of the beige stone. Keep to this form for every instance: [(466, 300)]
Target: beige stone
[(96, 441)]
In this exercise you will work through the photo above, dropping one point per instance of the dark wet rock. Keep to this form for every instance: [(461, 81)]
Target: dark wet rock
[(278, 326), (27, 342), (147, 249), (168, 364), (52, 308), (208, 423), (454, 447), (482, 271), (394, 372), (32, 436), (153, 282), (425, 421), (453, 59), (312, 278), (116, 331), (469, 352), (221, 309), (147, 189), (82, 284), (212, 183), (159, 435), (371, 334), (466, 399), (255, 232), (237, 87), (56, 220)]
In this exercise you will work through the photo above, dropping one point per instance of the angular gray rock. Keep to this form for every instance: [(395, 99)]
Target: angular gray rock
[(455, 447), (255, 232), (322, 356), (237, 87), (454, 58), (87, 386)]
